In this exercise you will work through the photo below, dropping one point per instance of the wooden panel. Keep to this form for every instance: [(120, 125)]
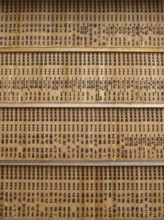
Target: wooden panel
[(95, 163), (87, 23), (30, 192), (81, 134), (82, 77)]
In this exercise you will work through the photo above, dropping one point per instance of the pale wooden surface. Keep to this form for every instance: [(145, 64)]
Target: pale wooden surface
[(82, 134), (93, 192), (108, 188), (65, 163), (82, 49), (82, 77), (63, 23), (80, 105)]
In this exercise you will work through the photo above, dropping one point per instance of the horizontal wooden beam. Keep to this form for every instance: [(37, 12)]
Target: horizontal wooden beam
[(79, 163), (82, 49), (80, 218), (79, 105)]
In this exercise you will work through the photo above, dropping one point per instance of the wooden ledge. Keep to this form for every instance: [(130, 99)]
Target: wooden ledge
[(80, 105), (80, 163), (82, 49)]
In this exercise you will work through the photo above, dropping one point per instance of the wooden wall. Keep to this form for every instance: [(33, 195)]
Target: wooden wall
[(82, 109)]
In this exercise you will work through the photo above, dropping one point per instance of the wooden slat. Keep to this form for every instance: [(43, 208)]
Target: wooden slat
[(85, 134), (82, 49), (81, 193), (85, 23), (80, 105), (81, 163), (82, 77)]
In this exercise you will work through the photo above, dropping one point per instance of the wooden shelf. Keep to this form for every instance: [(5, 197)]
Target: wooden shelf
[(82, 49), (80, 163), (80, 105)]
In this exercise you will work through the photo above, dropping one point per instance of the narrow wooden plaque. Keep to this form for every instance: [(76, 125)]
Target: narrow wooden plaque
[(42, 192), (82, 134), (84, 23), (82, 78)]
